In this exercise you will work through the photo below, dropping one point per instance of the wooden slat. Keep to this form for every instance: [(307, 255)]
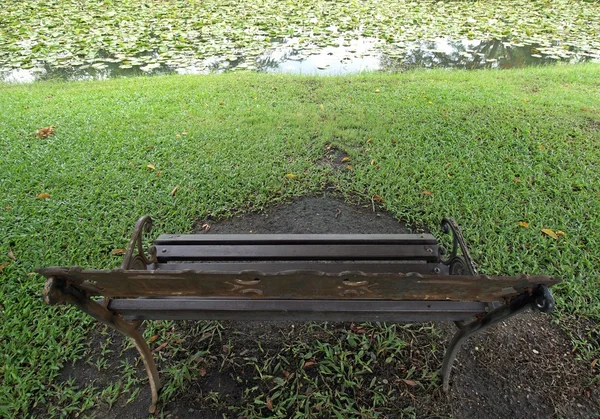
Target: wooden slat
[(186, 239), (329, 267), (296, 252), (199, 308), (297, 285)]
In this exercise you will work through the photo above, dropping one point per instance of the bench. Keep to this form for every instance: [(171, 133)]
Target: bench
[(299, 277)]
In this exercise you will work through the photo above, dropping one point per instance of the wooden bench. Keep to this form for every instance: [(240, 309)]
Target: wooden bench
[(300, 277)]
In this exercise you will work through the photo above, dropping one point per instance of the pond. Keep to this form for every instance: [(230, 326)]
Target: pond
[(88, 39)]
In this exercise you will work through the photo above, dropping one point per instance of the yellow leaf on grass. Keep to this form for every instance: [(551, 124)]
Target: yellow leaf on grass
[(541, 147), (349, 167), (377, 198), (550, 233), (369, 140), (560, 233), (291, 176), (151, 166), (428, 193), (322, 107), (8, 208), (174, 191), (153, 338), (524, 224), (43, 196), (118, 252), (377, 90), (525, 99), (345, 159), (373, 162)]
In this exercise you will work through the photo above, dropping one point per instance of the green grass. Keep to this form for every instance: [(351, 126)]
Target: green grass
[(493, 148)]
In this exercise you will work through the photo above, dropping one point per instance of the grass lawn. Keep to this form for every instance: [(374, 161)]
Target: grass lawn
[(490, 148)]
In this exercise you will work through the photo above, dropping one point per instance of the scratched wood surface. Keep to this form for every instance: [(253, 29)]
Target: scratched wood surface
[(296, 284)]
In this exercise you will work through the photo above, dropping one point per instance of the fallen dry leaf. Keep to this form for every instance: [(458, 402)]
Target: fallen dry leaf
[(309, 363), (174, 191), (202, 372), (159, 173), (377, 90), (428, 193), (291, 176), (541, 147), (11, 255), (3, 265), (517, 180), (349, 167), (550, 233), (160, 347), (524, 224), (205, 227), (45, 132), (269, 403), (560, 233), (151, 166), (409, 382), (377, 198), (526, 99), (118, 252), (594, 362), (43, 196), (369, 140), (322, 107), (153, 338), (373, 162), (8, 208), (345, 159), (150, 147)]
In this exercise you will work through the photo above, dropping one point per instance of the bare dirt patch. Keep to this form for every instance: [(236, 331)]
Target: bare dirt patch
[(525, 367)]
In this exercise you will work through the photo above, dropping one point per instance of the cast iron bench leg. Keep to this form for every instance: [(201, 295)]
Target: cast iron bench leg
[(539, 299), (56, 292)]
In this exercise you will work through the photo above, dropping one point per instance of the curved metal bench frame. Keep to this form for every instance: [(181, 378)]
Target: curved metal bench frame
[(78, 287)]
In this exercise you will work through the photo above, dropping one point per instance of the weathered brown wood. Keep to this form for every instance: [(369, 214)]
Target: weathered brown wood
[(296, 252), (186, 239), (297, 284), (329, 266)]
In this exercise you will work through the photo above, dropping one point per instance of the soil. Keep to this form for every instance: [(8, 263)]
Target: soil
[(525, 367)]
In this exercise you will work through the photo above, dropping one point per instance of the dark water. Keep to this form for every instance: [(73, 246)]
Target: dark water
[(343, 58)]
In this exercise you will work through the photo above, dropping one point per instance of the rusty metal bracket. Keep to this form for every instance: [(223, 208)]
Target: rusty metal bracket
[(461, 264), (540, 298), (139, 261), (57, 291)]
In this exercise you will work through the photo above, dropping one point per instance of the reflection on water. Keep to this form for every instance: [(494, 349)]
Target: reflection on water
[(340, 57)]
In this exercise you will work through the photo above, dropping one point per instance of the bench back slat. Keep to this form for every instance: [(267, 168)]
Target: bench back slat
[(293, 285), (324, 266)]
